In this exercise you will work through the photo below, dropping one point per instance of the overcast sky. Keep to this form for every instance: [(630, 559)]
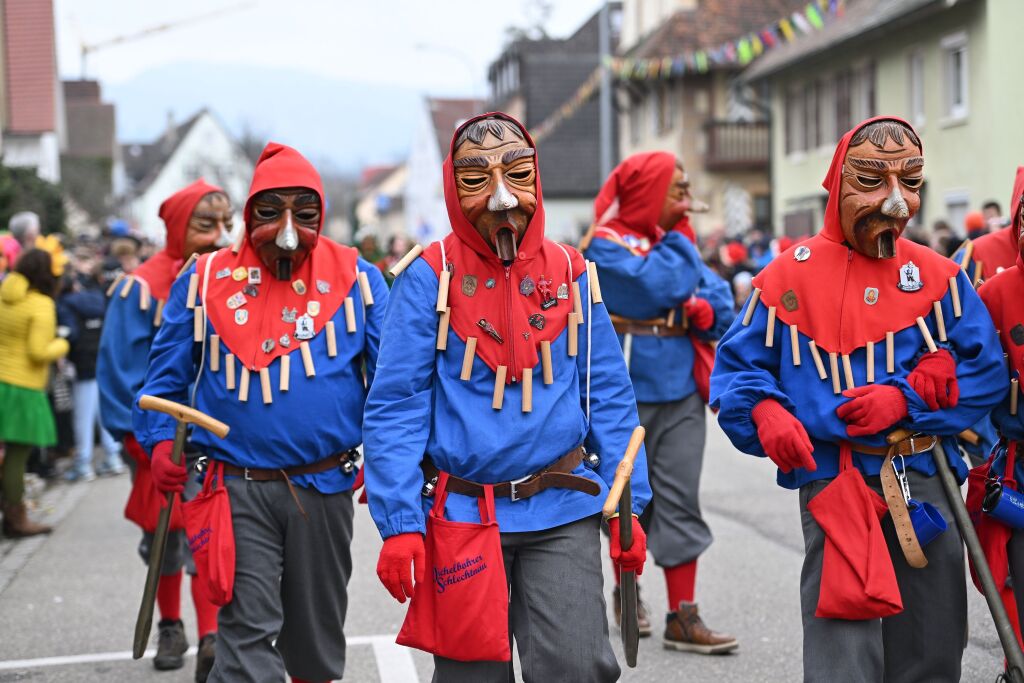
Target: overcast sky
[(365, 40)]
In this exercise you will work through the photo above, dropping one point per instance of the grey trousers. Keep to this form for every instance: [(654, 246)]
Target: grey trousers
[(291, 578), (1015, 550), (557, 611), (676, 530), (925, 642)]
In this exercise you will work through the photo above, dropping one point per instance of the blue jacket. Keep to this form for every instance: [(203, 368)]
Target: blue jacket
[(643, 287), (418, 406), (317, 417), (127, 336), (746, 372)]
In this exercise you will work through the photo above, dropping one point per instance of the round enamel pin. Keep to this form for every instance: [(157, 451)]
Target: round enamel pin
[(239, 274), (299, 286), (802, 253), (241, 316)]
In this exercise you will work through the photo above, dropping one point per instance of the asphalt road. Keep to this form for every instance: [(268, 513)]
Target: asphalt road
[(68, 601)]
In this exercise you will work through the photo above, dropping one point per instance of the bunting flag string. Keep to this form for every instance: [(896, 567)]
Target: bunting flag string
[(738, 52)]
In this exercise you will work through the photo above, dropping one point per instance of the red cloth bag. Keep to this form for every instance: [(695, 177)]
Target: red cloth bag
[(703, 364), (211, 536), (144, 501), (461, 610), (858, 580), (993, 534)]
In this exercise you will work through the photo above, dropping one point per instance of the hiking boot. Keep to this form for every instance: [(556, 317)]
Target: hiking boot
[(204, 657), (685, 631), (172, 645), (18, 525), (642, 617)]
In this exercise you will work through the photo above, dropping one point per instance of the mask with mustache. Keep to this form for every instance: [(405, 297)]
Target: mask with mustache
[(880, 188), (495, 177)]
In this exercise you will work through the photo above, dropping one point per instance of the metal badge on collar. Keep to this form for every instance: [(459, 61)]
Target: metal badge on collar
[(304, 328), (255, 276), (563, 291), (323, 286), (251, 290), (285, 341), (469, 285), (267, 345), (288, 315), (313, 308), (241, 316), (527, 286), (871, 296), (223, 273), (910, 277), (299, 286), (802, 253), (236, 300), (490, 283), (239, 274)]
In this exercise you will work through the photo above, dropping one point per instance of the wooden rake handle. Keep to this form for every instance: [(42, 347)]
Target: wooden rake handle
[(184, 414), (623, 472)]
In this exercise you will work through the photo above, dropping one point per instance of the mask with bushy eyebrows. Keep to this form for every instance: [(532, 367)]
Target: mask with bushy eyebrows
[(284, 226)]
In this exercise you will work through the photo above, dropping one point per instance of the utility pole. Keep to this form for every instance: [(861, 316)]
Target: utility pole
[(604, 42)]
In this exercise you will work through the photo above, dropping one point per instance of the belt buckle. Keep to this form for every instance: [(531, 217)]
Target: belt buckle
[(245, 475), (513, 492)]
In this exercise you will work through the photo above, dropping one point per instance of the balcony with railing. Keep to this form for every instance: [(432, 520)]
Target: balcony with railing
[(737, 145)]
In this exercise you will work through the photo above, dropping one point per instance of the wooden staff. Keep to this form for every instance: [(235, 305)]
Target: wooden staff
[(128, 282), (286, 371), (193, 286), (751, 305), (214, 352), (404, 262), (229, 372), (332, 341), (243, 385), (574, 335), (545, 360), (1014, 392), (954, 294), (816, 357), (499, 387), (794, 344), (833, 366), (527, 390), (769, 330), (350, 315), (929, 342), (870, 352), (890, 353), (467, 359), (442, 329), (307, 359), (847, 370), (940, 322), (365, 289), (443, 280), (184, 416), (197, 324), (268, 396), (593, 283)]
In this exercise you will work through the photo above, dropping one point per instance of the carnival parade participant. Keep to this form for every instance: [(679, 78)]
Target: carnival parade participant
[(994, 251), (498, 367), (231, 328), (855, 353), (197, 219), (28, 346), (666, 306)]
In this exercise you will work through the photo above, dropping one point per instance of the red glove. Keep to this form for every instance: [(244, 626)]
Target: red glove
[(393, 564), (699, 312), (934, 380), (873, 409), (167, 476), (782, 436), (634, 558)]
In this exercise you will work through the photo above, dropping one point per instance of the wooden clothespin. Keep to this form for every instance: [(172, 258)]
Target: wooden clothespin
[(577, 301), (954, 294), (769, 330), (113, 285), (350, 315), (364, 288), (332, 341), (158, 317), (188, 264), (940, 322), (127, 287), (499, 387), (404, 262), (847, 371), (573, 337), (443, 282), (286, 371), (197, 324), (890, 353), (268, 396), (794, 343), (442, 329), (243, 385), (833, 366), (229, 372), (193, 287), (527, 387), (467, 359), (1014, 393), (755, 296), (214, 352), (545, 360), (816, 357), (929, 342), (593, 283), (869, 351), (307, 359), (144, 298)]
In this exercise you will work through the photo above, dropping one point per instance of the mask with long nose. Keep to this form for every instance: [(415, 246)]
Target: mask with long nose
[(209, 225), (284, 226), (880, 188), (495, 176)]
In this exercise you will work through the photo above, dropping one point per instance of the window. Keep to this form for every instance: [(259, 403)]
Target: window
[(666, 108), (957, 205), (915, 87), (636, 116), (794, 122), (954, 54), (826, 107), (812, 138), (655, 100), (844, 114)]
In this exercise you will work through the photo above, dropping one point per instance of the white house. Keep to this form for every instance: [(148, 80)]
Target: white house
[(201, 147)]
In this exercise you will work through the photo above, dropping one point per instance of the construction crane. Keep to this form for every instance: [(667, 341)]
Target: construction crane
[(88, 49)]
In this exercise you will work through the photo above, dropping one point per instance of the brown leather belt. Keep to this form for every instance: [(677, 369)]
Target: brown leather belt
[(655, 327), (331, 462), (903, 444), (557, 475)]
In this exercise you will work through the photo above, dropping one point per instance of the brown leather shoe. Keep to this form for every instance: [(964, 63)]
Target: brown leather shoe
[(18, 525), (642, 617), (685, 631)]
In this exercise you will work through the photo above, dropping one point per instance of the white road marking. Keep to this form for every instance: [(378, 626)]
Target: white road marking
[(394, 662)]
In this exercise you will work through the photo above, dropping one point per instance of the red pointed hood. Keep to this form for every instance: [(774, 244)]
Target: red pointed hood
[(833, 228), (534, 235), (639, 184), (1015, 201), (278, 167), (160, 269)]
